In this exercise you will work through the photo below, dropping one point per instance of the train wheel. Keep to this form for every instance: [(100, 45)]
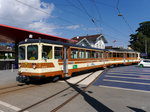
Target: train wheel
[(141, 66), (55, 79)]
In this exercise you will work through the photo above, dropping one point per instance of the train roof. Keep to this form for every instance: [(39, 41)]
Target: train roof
[(55, 42), (69, 44), (121, 50)]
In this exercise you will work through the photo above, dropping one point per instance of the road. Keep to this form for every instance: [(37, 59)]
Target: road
[(113, 91)]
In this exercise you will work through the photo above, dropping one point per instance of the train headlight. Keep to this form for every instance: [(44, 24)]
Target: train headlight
[(34, 65), (19, 65)]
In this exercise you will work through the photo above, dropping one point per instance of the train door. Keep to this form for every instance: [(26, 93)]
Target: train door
[(103, 57), (65, 66), (124, 58)]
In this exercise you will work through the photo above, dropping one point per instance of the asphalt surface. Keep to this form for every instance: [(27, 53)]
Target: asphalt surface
[(113, 91), (115, 96), (129, 77)]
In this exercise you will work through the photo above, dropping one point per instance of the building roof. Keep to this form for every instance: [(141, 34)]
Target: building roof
[(18, 34), (90, 38), (6, 49)]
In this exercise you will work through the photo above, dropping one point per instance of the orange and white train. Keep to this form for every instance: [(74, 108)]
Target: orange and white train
[(41, 58)]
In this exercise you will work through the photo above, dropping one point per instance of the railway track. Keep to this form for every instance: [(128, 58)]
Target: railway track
[(14, 88), (82, 89), (79, 91)]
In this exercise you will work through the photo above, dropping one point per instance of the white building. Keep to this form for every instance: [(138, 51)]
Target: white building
[(96, 41)]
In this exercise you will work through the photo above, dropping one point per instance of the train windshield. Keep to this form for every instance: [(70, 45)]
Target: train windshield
[(32, 52), (47, 52), (22, 53)]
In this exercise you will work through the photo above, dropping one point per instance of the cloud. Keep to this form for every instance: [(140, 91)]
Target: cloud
[(43, 27), (92, 29), (16, 13), (73, 27)]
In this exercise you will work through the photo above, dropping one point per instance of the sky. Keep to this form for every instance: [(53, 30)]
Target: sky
[(71, 18)]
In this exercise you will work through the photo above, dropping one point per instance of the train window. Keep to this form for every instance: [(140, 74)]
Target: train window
[(110, 55), (58, 52), (102, 55), (74, 53), (47, 52), (114, 54), (107, 54), (121, 55), (98, 54), (87, 54), (82, 54), (124, 55), (130, 55), (117, 54), (93, 54), (32, 52), (22, 53)]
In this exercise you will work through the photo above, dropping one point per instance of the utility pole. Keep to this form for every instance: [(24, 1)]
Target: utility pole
[(114, 41), (146, 47)]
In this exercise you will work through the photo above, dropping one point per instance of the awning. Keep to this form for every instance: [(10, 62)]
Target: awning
[(18, 34)]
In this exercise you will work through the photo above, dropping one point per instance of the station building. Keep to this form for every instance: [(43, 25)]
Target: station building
[(9, 39)]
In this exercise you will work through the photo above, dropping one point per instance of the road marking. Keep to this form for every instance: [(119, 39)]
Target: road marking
[(125, 73), (125, 81), (127, 77), (124, 89), (11, 106), (128, 74), (87, 81)]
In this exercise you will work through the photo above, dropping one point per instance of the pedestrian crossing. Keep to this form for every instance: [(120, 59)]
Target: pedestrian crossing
[(126, 77)]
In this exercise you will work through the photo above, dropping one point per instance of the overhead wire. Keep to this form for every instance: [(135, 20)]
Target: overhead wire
[(84, 10), (117, 5), (90, 17), (123, 17), (102, 21), (100, 17), (67, 21), (102, 3)]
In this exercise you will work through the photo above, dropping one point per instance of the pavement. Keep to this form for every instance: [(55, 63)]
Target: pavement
[(120, 89), (8, 77), (127, 77)]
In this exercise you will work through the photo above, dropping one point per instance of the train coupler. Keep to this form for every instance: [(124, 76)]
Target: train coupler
[(22, 79)]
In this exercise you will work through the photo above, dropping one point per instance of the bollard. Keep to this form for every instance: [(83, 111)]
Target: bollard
[(12, 67)]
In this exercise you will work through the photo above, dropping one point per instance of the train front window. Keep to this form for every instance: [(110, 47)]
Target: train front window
[(32, 52), (47, 52), (22, 53)]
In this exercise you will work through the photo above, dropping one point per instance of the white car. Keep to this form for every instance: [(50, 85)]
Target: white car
[(144, 63)]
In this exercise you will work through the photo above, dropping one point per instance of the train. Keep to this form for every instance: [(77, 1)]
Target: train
[(42, 58)]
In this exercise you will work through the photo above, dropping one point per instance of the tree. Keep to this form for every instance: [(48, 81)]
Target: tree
[(140, 41)]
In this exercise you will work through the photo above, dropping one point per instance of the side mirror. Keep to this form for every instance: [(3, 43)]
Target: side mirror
[(44, 56)]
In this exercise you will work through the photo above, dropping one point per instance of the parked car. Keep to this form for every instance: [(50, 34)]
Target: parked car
[(144, 63)]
